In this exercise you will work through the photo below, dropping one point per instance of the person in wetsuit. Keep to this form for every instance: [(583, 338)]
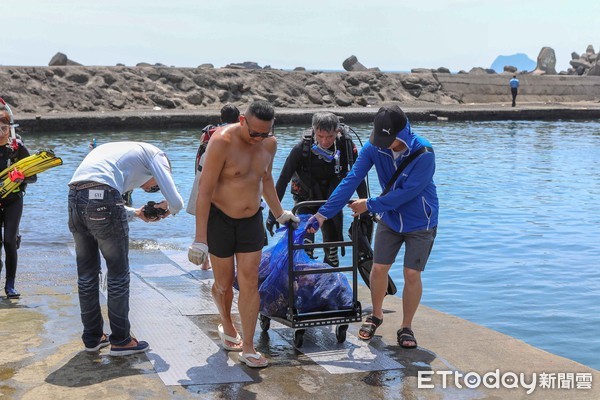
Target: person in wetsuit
[(315, 166), (12, 150)]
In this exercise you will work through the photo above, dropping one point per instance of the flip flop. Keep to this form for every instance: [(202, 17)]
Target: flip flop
[(245, 358), (226, 338)]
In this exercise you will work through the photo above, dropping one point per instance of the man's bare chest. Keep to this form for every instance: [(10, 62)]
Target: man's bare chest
[(247, 165)]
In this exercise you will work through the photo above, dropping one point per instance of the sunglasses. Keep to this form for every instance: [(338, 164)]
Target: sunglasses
[(258, 134), (152, 189)]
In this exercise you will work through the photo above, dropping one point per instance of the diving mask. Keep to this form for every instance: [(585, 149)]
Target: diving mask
[(324, 154)]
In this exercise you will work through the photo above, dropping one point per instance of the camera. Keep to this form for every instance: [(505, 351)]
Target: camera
[(151, 212)]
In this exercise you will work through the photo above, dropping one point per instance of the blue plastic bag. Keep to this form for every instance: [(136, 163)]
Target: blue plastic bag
[(314, 292)]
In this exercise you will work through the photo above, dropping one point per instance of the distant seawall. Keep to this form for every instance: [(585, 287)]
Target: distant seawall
[(75, 97), (493, 88)]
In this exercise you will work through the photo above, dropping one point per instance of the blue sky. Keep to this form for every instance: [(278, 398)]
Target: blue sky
[(393, 35)]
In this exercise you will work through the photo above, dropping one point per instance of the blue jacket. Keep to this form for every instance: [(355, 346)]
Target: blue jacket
[(411, 204), (514, 83)]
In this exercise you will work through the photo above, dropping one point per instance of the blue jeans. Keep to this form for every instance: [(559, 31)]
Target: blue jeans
[(99, 225)]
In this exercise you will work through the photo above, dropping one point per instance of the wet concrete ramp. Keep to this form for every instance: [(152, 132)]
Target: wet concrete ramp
[(180, 352)]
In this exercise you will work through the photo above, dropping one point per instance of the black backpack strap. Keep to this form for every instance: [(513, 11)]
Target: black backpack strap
[(403, 165), (306, 142), (348, 146)]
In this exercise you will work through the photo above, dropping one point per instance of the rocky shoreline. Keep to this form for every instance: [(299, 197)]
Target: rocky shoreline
[(46, 98), (78, 88)]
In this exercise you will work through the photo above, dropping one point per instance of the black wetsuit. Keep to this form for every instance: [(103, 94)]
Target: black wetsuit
[(314, 178), (11, 209)]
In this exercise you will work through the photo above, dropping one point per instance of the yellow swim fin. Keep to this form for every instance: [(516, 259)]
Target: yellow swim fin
[(32, 165)]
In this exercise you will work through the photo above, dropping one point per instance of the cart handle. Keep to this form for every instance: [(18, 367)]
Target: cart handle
[(308, 203), (312, 203)]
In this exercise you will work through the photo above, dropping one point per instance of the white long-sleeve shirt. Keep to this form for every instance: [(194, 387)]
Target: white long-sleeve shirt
[(128, 165)]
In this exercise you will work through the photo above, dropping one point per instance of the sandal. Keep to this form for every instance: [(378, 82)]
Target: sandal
[(246, 357), (237, 340), (406, 335), (367, 330)]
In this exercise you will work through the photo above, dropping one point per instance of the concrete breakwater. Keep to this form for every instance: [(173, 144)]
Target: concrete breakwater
[(78, 88), (89, 98), (83, 89)]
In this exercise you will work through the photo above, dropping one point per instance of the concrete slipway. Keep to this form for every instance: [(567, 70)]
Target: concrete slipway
[(42, 357), (41, 354)]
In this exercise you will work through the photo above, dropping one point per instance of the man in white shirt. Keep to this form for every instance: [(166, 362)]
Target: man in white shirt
[(98, 219)]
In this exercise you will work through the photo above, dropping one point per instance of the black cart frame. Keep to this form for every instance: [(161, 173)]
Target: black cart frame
[(300, 321)]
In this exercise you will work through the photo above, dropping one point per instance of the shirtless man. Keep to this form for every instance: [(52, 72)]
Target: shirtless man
[(237, 172)]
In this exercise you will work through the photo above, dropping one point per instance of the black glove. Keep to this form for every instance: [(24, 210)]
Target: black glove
[(271, 221)]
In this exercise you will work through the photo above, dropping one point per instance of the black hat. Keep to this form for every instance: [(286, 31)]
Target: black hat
[(388, 122)]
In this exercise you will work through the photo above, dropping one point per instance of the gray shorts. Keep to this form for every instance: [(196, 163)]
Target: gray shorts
[(389, 242)]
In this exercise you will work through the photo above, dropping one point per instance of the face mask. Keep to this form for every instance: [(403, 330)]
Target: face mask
[(324, 154)]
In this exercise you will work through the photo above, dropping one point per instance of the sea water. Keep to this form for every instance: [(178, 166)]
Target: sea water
[(518, 245)]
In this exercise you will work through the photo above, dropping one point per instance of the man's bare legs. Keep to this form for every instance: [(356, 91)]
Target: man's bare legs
[(249, 300), (222, 293), (379, 284), (411, 293), (411, 297)]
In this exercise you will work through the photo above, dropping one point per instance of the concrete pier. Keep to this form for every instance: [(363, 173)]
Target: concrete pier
[(42, 357), (186, 119)]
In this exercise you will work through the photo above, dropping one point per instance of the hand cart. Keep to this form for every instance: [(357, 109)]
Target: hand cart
[(299, 321)]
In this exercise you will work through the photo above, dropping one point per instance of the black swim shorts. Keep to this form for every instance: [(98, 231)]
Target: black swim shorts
[(227, 236)]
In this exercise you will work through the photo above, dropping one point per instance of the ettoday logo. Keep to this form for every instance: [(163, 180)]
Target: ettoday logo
[(509, 380)]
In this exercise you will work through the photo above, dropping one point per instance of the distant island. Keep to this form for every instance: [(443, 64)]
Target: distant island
[(520, 60)]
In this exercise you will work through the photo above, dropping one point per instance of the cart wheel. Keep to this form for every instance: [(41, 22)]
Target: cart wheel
[(340, 333), (298, 338), (265, 322)]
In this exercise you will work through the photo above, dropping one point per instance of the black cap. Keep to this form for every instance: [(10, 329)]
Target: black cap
[(388, 122)]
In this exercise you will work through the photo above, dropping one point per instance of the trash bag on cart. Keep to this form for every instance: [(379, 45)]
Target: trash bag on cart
[(314, 292)]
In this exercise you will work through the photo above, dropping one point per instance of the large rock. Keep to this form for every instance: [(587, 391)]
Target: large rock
[(478, 71), (61, 59), (590, 50), (546, 62), (595, 70), (351, 64), (583, 64), (244, 65), (580, 63), (420, 70)]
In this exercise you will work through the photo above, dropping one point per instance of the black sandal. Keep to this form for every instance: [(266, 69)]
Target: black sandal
[(367, 330), (406, 335)]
